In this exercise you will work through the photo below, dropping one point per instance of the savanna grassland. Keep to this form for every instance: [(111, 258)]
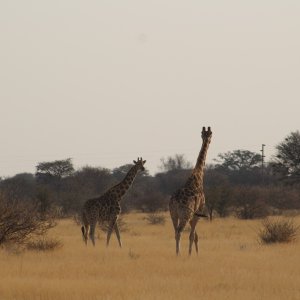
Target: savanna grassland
[(231, 265)]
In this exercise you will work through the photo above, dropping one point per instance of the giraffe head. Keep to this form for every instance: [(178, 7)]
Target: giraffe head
[(140, 164), (206, 134)]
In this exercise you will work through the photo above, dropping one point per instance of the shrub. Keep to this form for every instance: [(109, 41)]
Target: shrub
[(20, 221), (156, 219), (278, 231), (44, 245)]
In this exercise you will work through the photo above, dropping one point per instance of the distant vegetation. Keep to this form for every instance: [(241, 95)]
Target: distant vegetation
[(235, 184)]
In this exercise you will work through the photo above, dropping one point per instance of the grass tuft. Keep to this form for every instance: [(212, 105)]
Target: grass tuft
[(156, 219), (44, 245), (278, 231), (133, 255)]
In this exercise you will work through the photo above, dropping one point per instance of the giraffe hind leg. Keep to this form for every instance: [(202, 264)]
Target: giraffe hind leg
[(85, 229), (175, 219), (196, 242), (111, 226), (193, 236), (92, 232)]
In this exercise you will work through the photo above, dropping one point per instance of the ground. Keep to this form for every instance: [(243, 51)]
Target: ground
[(231, 265)]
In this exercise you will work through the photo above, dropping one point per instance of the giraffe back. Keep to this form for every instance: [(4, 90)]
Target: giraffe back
[(103, 208)]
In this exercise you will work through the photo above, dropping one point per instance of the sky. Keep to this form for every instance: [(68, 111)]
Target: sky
[(105, 82)]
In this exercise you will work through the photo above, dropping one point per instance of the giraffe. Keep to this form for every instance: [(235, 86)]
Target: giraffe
[(187, 202), (106, 208)]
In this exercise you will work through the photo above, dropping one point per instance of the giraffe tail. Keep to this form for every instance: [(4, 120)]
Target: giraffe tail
[(200, 215)]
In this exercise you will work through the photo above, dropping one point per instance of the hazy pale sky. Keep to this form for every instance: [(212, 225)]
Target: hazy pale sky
[(104, 82)]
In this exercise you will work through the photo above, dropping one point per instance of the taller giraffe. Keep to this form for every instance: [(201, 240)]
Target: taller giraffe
[(107, 208), (187, 202)]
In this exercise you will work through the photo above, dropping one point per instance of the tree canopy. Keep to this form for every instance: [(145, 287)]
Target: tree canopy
[(176, 162), (287, 159), (239, 160), (57, 168)]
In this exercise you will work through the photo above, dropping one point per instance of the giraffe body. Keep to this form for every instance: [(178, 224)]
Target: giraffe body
[(187, 202), (107, 207)]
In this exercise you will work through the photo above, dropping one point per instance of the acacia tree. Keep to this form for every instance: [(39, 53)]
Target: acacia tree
[(57, 168), (239, 160), (286, 162), (241, 166), (50, 181)]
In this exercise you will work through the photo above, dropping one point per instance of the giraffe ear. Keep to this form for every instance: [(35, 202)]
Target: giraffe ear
[(144, 161), (134, 162)]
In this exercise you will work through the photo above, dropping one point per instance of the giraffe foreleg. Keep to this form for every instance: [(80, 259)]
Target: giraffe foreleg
[(196, 242), (118, 234)]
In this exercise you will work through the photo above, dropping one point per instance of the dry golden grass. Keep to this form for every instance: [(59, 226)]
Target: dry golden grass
[(231, 265)]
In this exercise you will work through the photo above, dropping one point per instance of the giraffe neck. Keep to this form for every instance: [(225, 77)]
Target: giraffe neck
[(199, 168), (125, 184)]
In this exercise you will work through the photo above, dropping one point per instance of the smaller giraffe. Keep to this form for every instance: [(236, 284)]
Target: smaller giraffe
[(187, 202), (107, 208)]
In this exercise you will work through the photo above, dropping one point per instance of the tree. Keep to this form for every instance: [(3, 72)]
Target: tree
[(19, 187), (145, 196), (282, 197), (91, 180), (250, 202), (50, 181), (175, 171), (177, 162), (239, 160), (119, 173), (171, 180), (287, 160), (241, 166), (43, 197), (217, 192), (56, 169), (85, 183)]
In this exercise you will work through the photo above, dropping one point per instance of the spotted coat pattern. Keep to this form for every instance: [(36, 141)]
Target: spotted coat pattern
[(107, 207), (187, 203)]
